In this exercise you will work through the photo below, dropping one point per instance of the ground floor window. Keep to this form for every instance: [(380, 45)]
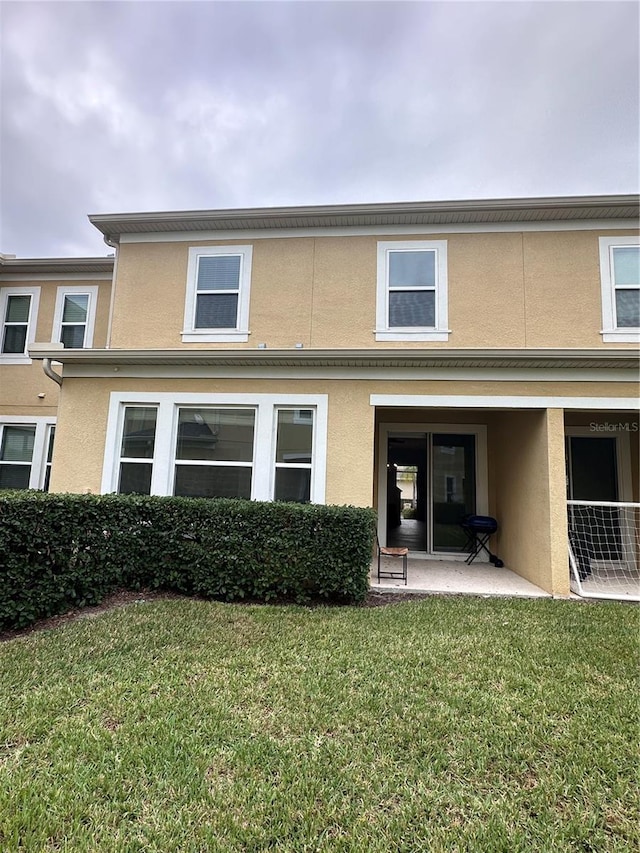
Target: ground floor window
[(47, 468), (214, 452), (26, 449), (294, 450), (136, 449), (262, 446)]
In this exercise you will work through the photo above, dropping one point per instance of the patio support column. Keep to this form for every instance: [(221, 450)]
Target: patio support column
[(558, 535), (530, 495)]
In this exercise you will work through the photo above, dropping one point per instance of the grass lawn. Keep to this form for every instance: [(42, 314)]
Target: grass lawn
[(459, 724)]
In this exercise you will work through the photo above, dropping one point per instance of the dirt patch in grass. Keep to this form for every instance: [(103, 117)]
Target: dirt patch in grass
[(125, 597)]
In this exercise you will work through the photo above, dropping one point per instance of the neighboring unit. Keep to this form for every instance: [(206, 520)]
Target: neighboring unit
[(62, 301)]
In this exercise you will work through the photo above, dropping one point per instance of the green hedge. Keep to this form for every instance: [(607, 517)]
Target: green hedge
[(64, 551)]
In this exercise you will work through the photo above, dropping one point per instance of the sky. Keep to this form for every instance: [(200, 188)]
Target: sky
[(112, 107)]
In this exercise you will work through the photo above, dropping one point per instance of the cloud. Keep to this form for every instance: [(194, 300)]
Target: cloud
[(109, 107)]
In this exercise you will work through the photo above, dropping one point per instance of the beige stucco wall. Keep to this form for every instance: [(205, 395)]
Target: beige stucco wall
[(506, 289), (20, 385), (529, 471), (79, 454)]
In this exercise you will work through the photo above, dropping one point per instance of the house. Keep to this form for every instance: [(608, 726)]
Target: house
[(64, 301), (321, 353)]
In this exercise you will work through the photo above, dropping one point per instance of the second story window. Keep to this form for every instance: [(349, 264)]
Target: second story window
[(74, 316), (620, 282), (412, 291), (217, 303), (18, 310)]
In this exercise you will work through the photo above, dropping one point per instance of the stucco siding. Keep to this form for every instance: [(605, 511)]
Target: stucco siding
[(505, 289)]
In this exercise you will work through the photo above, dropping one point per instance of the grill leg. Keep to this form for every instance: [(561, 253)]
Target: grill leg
[(478, 545)]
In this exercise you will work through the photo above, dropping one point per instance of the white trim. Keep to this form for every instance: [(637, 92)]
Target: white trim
[(309, 466), (215, 338), (40, 443), (379, 230), (58, 276), (623, 455), (32, 322), (482, 468), (385, 332), (240, 333), (412, 335), (168, 404), (92, 292), (506, 374), (629, 504), (43, 464), (617, 336), (610, 332), (456, 401)]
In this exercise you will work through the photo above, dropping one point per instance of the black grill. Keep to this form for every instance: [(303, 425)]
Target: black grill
[(478, 529)]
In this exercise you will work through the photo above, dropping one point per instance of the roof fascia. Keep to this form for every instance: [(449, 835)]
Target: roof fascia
[(617, 358), (549, 208), (42, 266)]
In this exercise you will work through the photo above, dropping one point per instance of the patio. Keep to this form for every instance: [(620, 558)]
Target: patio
[(454, 577)]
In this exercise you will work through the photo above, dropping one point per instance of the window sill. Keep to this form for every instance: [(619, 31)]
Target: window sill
[(225, 336), (15, 359), (410, 335), (621, 336)]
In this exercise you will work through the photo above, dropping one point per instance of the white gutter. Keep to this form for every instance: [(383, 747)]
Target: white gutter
[(115, 246), (50, 372), (501, 358), (48, 352)]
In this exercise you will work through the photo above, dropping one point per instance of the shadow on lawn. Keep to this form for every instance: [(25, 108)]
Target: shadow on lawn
[(124, 597)]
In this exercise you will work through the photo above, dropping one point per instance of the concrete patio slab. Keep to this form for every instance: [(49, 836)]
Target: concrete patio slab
[(452, 576)]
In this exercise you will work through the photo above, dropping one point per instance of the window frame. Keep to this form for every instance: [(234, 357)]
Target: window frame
[(168, 405), (206, 463), (38, 464), (240, 332), (47, 463), (438, 332), (611, 332), (302, 466), (89, 326), (5, 293), (131, 460)]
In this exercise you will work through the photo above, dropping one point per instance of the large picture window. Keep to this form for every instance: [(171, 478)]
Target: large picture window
[(217, 303), (620, 283), (412, 291), (254, 446), (214, 453)]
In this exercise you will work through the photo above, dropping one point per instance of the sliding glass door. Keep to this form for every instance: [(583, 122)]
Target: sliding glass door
[(453, 488), (430, 485)]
